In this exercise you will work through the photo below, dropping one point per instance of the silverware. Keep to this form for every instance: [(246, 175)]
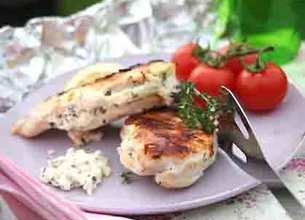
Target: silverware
[(231, 134)]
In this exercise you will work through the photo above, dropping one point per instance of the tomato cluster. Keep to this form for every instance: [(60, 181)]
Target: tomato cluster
[(259, 85)]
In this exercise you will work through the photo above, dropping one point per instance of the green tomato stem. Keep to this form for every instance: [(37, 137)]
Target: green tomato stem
[(259, 64)]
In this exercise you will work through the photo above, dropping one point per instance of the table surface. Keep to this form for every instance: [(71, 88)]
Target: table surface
[(259, 203)]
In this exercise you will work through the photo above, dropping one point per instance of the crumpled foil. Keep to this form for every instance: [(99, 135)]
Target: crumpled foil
[(47, 47)]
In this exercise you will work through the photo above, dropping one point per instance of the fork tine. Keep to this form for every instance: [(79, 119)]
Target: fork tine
[(239, 110), (248, 145)]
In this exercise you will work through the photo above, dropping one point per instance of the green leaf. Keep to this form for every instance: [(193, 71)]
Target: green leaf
[(265, 23), (298, 7), (68, 7), (285, 41), (225, 8)]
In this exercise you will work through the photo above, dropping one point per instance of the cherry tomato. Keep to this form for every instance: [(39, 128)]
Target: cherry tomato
[(234, 63), (185, 61), (209, 79), (263, 90)]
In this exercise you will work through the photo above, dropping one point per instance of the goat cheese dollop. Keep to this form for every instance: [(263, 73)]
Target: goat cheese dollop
[(77, 168)]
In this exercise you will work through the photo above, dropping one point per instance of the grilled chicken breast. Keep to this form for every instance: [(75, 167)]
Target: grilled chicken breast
[(159, 143), (85, 106), (92, 73), (85, 76)]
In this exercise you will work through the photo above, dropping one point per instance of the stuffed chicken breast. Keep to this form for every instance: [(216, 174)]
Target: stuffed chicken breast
[(91, 104), (158, 143)]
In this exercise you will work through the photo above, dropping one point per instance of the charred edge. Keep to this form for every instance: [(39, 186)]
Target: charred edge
[(139, 65), (112, 74), (137, 118)]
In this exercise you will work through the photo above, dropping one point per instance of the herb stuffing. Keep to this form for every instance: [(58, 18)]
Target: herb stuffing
[(76, 169)]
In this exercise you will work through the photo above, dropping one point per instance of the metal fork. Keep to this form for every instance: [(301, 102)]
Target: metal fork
[(230, 134)]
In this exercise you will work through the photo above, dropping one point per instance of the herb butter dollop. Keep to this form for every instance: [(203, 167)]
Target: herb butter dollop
[(77, 168)]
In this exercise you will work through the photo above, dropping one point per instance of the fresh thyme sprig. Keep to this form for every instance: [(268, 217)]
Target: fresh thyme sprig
[(185, 105), (194, 116)]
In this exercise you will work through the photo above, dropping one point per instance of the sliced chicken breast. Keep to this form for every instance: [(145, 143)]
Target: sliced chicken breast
[(93, 104), (158, 143)]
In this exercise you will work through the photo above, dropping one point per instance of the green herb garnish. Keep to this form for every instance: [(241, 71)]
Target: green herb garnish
[(128, 177), (196, 117)]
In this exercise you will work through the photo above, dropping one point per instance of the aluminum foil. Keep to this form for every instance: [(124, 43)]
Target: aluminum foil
[(46, 47)]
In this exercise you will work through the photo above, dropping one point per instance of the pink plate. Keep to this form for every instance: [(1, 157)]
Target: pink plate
[(279, 133)]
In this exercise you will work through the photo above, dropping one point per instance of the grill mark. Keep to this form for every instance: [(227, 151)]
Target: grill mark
[(140, 65), (156, 151), (170, 136), (113, 74), (169, 144)]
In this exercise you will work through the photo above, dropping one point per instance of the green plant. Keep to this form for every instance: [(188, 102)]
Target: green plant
[(279, 23)]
